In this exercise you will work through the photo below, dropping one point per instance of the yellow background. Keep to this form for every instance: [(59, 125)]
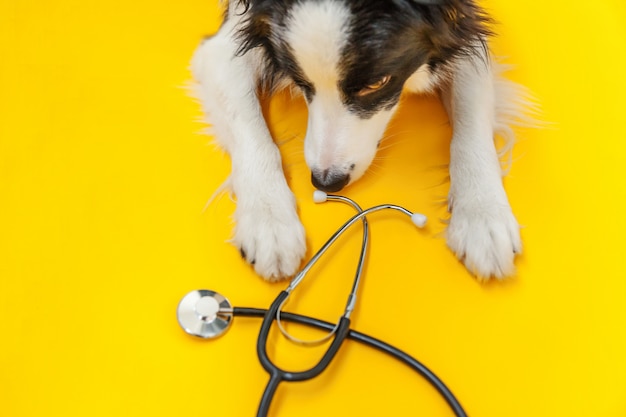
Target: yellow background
[(103, 180)]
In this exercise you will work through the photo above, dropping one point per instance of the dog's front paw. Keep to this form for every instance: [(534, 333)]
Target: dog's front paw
[(486, 239), (270, 237)]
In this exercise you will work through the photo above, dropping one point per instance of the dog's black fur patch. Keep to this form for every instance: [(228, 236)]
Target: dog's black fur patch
[(387, 37)]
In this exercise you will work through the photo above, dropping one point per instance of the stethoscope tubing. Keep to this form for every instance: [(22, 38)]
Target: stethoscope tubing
[(275, 371), (356, 336), (339, 332), (200, 312), (277, 375)]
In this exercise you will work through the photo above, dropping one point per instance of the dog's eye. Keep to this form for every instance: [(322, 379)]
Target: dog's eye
[(375, 86)]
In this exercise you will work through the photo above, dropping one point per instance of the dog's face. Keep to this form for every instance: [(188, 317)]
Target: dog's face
[(351, 65), (351, 60)]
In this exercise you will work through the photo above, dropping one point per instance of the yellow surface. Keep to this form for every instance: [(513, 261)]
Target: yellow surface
[(103, 180)]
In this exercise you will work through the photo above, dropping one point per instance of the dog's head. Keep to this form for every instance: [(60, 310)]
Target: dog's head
[(351, 59)]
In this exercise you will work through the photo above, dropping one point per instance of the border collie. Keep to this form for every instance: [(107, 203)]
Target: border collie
[(352, 60)]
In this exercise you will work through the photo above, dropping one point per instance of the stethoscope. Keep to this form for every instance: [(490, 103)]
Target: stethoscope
[(207, 314)]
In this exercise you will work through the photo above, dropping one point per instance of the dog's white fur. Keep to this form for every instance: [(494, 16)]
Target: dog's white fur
[(482, 230)]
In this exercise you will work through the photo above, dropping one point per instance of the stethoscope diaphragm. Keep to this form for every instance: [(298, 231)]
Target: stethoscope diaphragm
[(205, 314)]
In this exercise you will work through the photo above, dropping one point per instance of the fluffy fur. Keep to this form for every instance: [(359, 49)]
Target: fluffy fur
[(352, 59)]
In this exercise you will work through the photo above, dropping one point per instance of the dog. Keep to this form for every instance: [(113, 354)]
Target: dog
[(352, 60)]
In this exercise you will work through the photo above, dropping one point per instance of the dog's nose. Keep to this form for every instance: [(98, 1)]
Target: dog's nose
[(328, 180)]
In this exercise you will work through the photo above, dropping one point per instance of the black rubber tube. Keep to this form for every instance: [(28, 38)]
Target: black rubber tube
[(363, 339), (268, 395)]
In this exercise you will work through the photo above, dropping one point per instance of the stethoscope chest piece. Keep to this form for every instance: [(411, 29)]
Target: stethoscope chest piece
[(205, 314)]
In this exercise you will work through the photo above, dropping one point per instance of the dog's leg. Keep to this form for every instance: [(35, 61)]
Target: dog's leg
[(482, 231), (268, 231)]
